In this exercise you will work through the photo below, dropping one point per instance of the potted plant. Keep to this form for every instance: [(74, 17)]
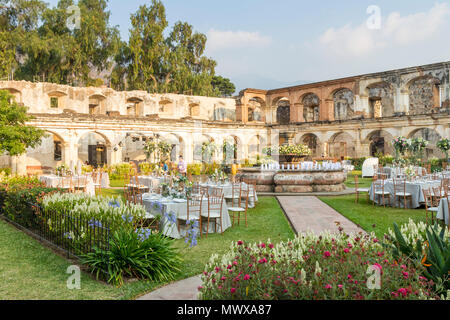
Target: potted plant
[(444, 146)]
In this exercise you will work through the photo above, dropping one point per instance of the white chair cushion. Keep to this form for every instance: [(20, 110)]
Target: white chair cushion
[(382, 192), (184, 217), (148, 215), (211, 215), (434, 209), (363, 190), (236, 209)]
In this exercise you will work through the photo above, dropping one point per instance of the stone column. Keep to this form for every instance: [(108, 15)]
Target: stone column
[(327, 113), (296, 113), (362, 105)]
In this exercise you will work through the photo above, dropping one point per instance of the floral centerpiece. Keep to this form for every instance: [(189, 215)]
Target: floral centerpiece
[(63, 170), (289, 153), (416, 147), (401, 145), (444, 146)]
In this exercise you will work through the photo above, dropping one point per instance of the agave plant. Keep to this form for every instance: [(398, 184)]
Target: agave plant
[(433, 253)]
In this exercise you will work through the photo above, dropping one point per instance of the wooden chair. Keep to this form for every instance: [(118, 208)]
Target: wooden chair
[(379, 192), (400, 192), (97, 180), (430, 205), (358, 190), (241, 208), (80, 184), (251, 183), (193, 211), (233, 199), (215, 204)]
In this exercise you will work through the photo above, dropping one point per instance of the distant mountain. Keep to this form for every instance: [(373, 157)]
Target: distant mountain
[(260, 82)]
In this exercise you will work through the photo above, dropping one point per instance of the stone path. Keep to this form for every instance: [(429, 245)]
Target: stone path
[(302, 211), (182, 290), (309, 213)]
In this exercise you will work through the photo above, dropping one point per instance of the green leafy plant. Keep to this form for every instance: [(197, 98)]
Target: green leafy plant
[(444, 146), (138, 254)]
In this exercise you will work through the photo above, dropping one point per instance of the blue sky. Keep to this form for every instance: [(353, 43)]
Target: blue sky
[(269, 44)]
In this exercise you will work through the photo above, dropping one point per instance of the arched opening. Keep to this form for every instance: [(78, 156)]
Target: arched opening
[(194, 109), (283, 111), (380, 141), (312, 142), (93, 149), (342, 145), (49, 154), (255, 146), (166, 106), (133, 147), (255, 107), (424, 95), (381, 100), (432, 136), (57, 100), (230, 149), (97, 104), (176, 144), (135, 107), (199, 154), (311, 103), (343, 104)]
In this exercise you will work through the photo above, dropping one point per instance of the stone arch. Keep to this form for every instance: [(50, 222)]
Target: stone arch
[(57, 99), (311, 107), (432, 136), (135, 106), (381, 99), (343, 101), (166, 106), (232, 156), (197, 147), (424, 96), (283, 110), (177, 143), (133, 147), (94, 148), (312, 141), (49, 154), (380, 141), (341, 145), (17, 94), (256, 105), (255, 145), (97, 104)]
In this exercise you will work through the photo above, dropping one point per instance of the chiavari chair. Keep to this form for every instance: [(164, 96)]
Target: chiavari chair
[(193, 212), (251, 184), (241, 208), (233, 199), (358, 190), (81, 183), (380, 193), (430, 205), (400, 192), (215, 204)]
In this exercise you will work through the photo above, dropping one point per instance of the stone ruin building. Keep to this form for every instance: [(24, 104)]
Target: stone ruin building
[(350, 117)]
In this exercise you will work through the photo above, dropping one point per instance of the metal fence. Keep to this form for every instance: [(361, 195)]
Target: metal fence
[(74, 235)]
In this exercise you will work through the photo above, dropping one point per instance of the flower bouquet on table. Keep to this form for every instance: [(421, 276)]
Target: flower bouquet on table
[(401, 145), (63, 170), (444, 146)]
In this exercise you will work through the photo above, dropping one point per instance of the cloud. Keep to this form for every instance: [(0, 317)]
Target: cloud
[(396, 30), (218, 39)]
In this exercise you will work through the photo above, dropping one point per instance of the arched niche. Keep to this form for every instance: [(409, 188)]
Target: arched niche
[(381, 100), (135, 106), (311, 107), (97, 104), (342, 145), (283, 110), (344, 102), (380, 141), (256, 106), (94, 149)]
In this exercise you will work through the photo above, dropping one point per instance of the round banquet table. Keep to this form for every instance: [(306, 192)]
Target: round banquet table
[(156, 205)]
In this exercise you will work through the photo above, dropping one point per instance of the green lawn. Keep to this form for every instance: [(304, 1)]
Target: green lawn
[(117, 183), (29, 270), (367, 215), (362, 182)]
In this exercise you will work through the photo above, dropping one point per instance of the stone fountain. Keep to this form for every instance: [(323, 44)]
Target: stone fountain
[(302, 177)]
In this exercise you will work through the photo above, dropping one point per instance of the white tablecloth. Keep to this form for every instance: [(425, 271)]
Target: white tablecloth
[(159, 207), (150, 181), (415, 188), (443, 211), (53, 181), (228, 191)]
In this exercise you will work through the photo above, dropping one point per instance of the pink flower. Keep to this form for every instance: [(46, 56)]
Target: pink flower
[(233, 290), (240, 243), (271, 246), (349, 245), (403, 291), (229, 267), (328, 286), (199, 288), (379, 267), (327, 254), (250, 265), (346, 250), (262, 245), (340, 286), (405, 274), (349, 276), (223, 278), (247, 277), (403, 267), (235, 263), (264, 260)]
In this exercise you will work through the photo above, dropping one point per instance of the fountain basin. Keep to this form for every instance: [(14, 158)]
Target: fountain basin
[(295, 181)]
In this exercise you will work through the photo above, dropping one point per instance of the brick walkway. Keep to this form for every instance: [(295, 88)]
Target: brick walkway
[(309, 213)]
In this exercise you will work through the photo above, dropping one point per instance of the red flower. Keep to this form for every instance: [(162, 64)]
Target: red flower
[(247, 277), (240, 243), (233, 290), (327, 254)]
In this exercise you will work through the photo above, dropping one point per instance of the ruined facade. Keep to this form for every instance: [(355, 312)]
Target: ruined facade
[(349, 117)]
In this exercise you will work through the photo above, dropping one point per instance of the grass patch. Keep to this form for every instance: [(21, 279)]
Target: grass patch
[(362, 182), (28, 270), (116, 183), (366, 215)]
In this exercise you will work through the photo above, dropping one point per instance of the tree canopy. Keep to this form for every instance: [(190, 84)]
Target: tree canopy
[(15, 136), (38, 44)]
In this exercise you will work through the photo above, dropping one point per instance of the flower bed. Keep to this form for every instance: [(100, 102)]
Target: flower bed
[(314, 267)]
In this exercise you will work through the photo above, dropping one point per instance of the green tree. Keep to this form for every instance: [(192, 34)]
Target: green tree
[(15, 136), (223, 85)]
